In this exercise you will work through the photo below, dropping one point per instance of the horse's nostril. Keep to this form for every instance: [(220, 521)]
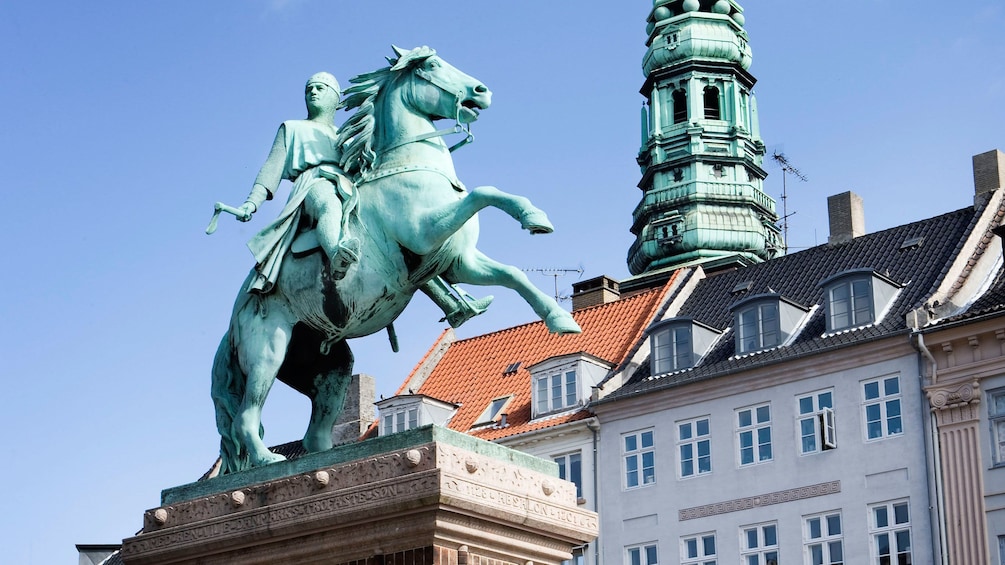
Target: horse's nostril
[(481, 89)]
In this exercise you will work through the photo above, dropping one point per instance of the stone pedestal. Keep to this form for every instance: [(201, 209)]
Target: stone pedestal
[(424, 497)]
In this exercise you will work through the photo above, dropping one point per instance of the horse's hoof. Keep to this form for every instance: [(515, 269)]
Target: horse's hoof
[(267, 459), (536, 222), (562, 323)]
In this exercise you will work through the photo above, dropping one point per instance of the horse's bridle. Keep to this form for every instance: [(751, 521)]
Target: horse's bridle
[(459, 126)]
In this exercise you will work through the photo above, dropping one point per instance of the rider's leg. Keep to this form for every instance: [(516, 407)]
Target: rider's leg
[(323, 205), (458, 309)]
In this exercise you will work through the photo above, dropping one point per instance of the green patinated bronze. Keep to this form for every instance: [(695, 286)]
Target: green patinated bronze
[(702, 154), (355, 452), (380, 199)]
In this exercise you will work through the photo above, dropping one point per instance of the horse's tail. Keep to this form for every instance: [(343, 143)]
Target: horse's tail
[(227, 392)]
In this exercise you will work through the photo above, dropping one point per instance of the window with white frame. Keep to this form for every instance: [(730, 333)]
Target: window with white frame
[(856, 298), (816, 426), (823, 541), (640, 458), (759, 544), (890, 532), (698, 549), (882, 408), (678, 344), (753, 434), (401, 420), (641, 555), (694, 447), (672, 349), (996, 415), (849, 304), (757, 327), (1001, 550), (570, 468), (556, 391)]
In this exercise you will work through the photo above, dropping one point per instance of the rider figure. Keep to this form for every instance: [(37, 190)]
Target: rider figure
[(306, 152)]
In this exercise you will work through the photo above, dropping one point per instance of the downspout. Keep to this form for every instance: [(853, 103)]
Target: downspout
[(594, 426), (933, 454)]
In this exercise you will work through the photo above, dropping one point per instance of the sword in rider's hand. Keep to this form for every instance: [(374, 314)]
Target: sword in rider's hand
[(221, 207)]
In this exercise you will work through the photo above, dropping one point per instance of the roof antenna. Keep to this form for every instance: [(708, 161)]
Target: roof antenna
[(555, 273), (787, 169)]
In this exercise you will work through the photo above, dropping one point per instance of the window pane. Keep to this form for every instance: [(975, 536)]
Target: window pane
[(817, 554), (900, 514), (651, 555), (806, 405), (751, 538), (871, 391), (743, 418), (702, 426), (813, 525), (685, 431), (881, 517), (635, 556), (770, 537), (647, 439), (834, 525), (825, 400), (763, 414), (892, 385), (708, 545), (570, 388), (691, 548), (631, 443)]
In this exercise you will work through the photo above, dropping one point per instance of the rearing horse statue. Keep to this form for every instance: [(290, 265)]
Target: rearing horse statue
[(415, 221)]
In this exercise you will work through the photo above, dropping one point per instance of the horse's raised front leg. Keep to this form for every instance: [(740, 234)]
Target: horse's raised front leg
[(477, 268), (443, 222), (261, 342)]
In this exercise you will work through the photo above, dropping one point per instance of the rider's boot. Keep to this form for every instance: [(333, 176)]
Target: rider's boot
[(459, 307), (347, 254)]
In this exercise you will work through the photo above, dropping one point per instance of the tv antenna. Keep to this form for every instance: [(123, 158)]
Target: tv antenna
[(787, 169), (555, 273)]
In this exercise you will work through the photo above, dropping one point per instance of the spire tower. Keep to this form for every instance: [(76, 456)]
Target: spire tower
[(701, 154)]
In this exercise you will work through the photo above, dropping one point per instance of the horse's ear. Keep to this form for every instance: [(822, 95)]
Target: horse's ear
[(398, 50)]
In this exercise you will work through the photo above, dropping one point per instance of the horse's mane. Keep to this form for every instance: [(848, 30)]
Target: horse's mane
[(356, 136)]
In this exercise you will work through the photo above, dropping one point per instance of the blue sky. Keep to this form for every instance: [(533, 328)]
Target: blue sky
[(125, 121)]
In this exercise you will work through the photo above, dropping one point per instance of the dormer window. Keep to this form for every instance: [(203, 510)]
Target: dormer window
[(563, 383), (856, 298), (765, 321), (678, 343), (556, 390), (494, 412), (409, 411)]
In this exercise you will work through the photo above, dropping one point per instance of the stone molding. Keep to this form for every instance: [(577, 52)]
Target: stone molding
[(431, 494), (778, 497), (956, 403)]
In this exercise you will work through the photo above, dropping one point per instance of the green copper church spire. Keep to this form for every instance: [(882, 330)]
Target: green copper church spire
[(701, 153)]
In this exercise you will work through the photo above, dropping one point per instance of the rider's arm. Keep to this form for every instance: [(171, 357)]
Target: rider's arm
[(271, 173)]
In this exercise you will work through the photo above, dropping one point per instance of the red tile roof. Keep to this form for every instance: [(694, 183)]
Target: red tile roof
[(470, 373)]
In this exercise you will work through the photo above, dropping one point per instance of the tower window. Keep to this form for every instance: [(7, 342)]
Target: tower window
[(679, 106), (712, 109)]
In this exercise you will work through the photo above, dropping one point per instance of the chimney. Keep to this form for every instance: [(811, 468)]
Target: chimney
[(593, 292), (989, 173), (847, 217), (358, 411)]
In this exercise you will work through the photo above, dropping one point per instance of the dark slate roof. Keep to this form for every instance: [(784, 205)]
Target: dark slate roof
[(991, 303), (796, 277)]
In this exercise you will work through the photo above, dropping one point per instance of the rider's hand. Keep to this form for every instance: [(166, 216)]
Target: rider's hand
[(247, 209)]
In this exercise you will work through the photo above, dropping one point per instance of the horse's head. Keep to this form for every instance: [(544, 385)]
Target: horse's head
[(437, 88), (396, 105)]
